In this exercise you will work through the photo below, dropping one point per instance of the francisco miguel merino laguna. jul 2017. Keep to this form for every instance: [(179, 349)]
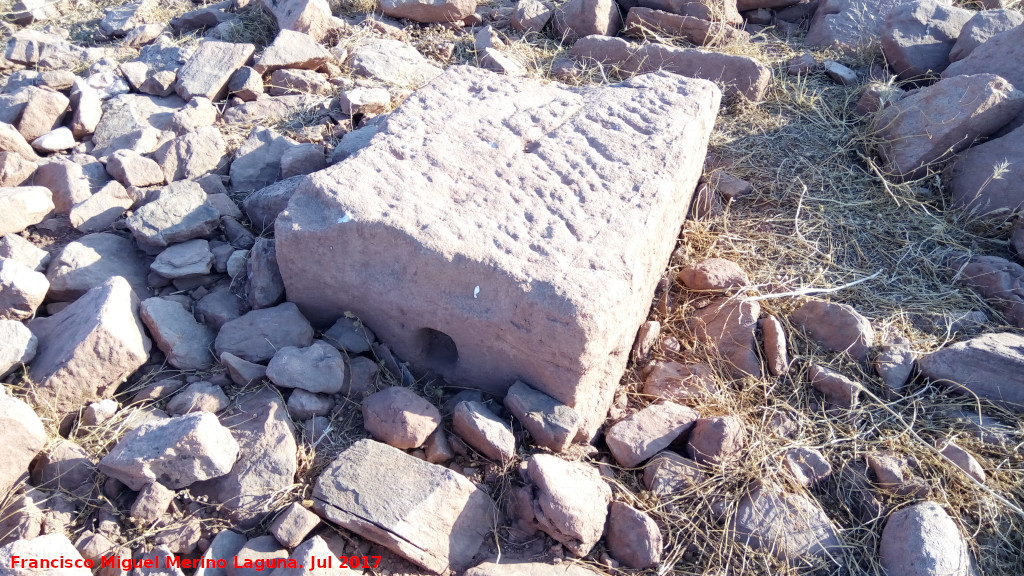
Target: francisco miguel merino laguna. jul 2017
[(128, 563)]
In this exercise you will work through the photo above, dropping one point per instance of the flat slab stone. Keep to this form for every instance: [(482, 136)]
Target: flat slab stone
[(428, 514), (505, 229), (207, 72)]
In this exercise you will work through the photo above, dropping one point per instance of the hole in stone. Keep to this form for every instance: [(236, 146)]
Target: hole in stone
[(438, 348)]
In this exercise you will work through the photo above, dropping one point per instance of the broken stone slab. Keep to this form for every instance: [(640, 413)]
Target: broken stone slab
[(92, 260), (990, 366), (773, 340), (180, 212), (792, 527), (837, 327), (207, 72), (257, 163), (193, 154), (839, 390), (120, 20), (267, 462), (808, 466), (292, 50), (264, 286), (185, 260), (186, 342), (649, 431), (932, 124), (88, 348), (322, 225), (923, 539), (735, 75), (155, 71), (571, 501), (67, 182), (22, 207), (550, 423), (894, 365), (102, 209), (430, 515), (259, 334), (17, 346), (480, 428), (176, 452), (284, 82), (680, 382), (918, 37), (393, 62), (24, 438), (134, 122)]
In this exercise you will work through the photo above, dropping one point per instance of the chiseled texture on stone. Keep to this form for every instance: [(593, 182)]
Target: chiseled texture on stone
[(922, 540), (990, 366), (428, 10), (936, 122), (86, 349), (207, 72), (512, 260), (791, 526), (425, 513), (735, 75)]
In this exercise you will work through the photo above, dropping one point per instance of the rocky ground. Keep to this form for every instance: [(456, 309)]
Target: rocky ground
[(405, 284)]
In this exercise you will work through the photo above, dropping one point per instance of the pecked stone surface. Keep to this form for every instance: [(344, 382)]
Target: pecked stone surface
[(507, 229)]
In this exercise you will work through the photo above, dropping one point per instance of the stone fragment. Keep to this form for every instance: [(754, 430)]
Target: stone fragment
[(293, 524), (393, 62), (840, 74), (399, 417), (66, 181), (917, 37), (264, 286), (198, 397), (932, 124), (242, 372), (730, 327), (186, 342), (714, 274), (131, 169), (808, 466), (894, 364), (120, 20), (263, 206), (679, 382), (12, 141), (292, 50), (963, 460), (86, 349), (839, 390), (449, 344), (893, 474), (649, 431), (642, 22), (429, 11), (303, 159), (152, 502), (180, 212), (999, 281), (40, 550), (773, 339), (207, 72), (257, 162), (792, 527), (185, 260), (365, 101), (578, 18), (26, 12), (208, 17), (24, 437), (174, 451), (246, 84), (550, 423), (997, 56), (430, 515), (801, 65), (43, 112), (16, 248), (484, 431), (258, 335), (92, 260), (849, 25), (837, 327), (22, 290), (922, 539), (735, 75), (292, 82), (64, 466), (102, 209), (22, 207), (669, 473), (57, 140), (266, 464), (312, 17), (982, 26), (531, 16), (634, 539), (304, 405), (17, 346), (15, 169), (318, 368), (225, 546), (710, 10), (97, 413), (990, 366), (716, 441), (260, 551), (571, 501), (983, 178)]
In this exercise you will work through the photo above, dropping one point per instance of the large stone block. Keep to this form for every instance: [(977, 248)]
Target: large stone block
[(499, 229)]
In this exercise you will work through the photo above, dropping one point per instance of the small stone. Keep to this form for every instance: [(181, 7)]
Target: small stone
[(302, 159), (730, 327), (246, 84), (839, 390), (132, 169), (571, 502), (207, 72), (982, 26), (773, 338), (550, 423), (350, 335), (55, 140), (484, 431), (318, 368), (192, 154), (578, 18), (152, 502), (531, 16), (893, 475), (714, 274), (801, 65), (808, 466), (97, 413), (42, 114), (646, 338), (365, 101), (92, 260), (66, 181), (102, 209), (399, 417), (243, 373), (894, 364), (22, 207), (837, 327), (963, 460), (293, 524), (792, 527), (22, 290), (180, 212), (428, 11), (64, 466), (15, 169), (840, 74), (256, 552), (647, 432), (634, 539), (186, 260), (293, 50), (17, 346), (716, 441), (437, 448), (678, 382), (40, 550), (303, 405), (922, 540), (186, 342), (669, 473), (198, 397), (14, 247), (259, 334)]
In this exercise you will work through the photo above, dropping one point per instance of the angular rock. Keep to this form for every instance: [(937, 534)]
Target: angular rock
[(571, 501), (185, 260), (792, 527), (837, 327), (998, 56), (369, 100), (24, 437), (43, 113), (305, 158), (649, 431), (262, 207), (198, 397), (246, 84), (729, 326), (669, 473), (641, 22), (131, 169), (92, 260), (186, 342), (66, 181), (22, 207), (633, 537), (258, 335), (840, 74), (312, 17), (932, 124), (392, 62), (716, 441), (894, 364), (808, 466), (918, 37), (710, 10), (531, 16), (266, 464), (207, 72), (449, 344), (293, 524), (17, 347), (242, 372), (16, 248), (264, 286), (225, 546), (64, 466), (318, 368), (120, 20), (257, 162), (175, 452), (209, 17), (180, 212), (1000, 282), (102, 209), (550, 423), (984, 179), (192, 155), (39, 550), (134, 122), (679, 382), (773, 339), (922, 539), (218, 308), (15, 170), (990, 366), (427, 514), (26, 12), (578, 18), (22, 290), (849, 25), (99, 412), (714, 274), (735, 75), (304, 405), (12, 141), (86, 349), (152, 502), (292, 82), (292, 50), (982, 26), (839, 390), (40, 49), (484, 431), (429, 10), (57, 140), (399, 417)]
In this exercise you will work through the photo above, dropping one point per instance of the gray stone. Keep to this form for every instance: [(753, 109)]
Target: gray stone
[(92, 260), (121, 20), (808, 466), (264, 286), (258, 335), (420, 259), (311, 17), (22, 207), (257, 162), (152, 502), (983, 178), (578, 18), (304, 159), (102, 209), (427, 514), (840, 74), (849, 25), (293, 524), (531, 16), (225, 546), (17, 346), (175, 452), (88, 348), (550, 423), (350, 335), (15, 169), (41, 549), (668, 474), (186, 342), (304, 405), (246, 84), (219, 307), (22, 290), (392, 62), (999, 55), (318, 368), (982, 26), (242, 372), (990, 366), (292, 50), (292, 82), (134, 122), (64, 466), (207, 72), (180, 212), (185, 260), (16, 248), (894, 364), (66, 181), (131, 169), (193, 154), (263, 206), (729, 326), (921, 540), (918, 37), (792, 527), (484, 431)]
